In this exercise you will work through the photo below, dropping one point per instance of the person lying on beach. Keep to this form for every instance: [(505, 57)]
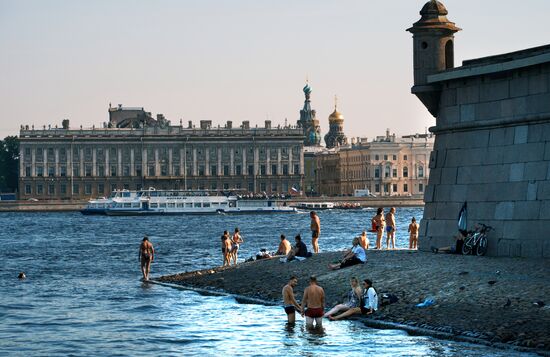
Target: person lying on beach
[(356, 255), (284, 246), (457, 249), (313, 303), (290, 303), (354, 299), (369, 303)]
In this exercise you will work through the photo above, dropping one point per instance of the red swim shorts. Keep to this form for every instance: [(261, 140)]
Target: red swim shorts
[(315, 312)]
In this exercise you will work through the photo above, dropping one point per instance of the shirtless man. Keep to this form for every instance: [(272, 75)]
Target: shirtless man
[(226, 248), (390, 228), (364, 240), (378, 222), (413, 234), (290, 303), (315, 231), (236, 242), (284, 246), (314, 301), (146, 256)]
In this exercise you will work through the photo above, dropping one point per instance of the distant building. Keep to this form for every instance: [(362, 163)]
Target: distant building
[(492, 146), (308, 122), (386, 166), (335, 136), (135, 151)]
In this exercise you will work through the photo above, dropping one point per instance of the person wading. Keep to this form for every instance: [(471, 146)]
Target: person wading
[(146, 257)]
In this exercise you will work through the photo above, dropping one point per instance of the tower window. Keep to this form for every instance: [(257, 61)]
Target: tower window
[(449, 55), (424, 45)]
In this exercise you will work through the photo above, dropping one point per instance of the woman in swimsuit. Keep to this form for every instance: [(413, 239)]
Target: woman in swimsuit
[(379, 221), (354, 299), (226, 249)]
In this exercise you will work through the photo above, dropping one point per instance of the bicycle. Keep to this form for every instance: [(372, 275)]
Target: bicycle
[(476, 241)]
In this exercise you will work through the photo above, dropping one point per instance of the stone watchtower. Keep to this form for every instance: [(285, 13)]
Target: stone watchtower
[(492, 140), (433, 38)]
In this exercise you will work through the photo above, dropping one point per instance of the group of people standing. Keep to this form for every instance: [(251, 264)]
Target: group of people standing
[(230, 246), (360, 301), (381, 223)]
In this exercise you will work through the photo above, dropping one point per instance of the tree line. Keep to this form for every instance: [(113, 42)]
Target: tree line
[(9, 164)]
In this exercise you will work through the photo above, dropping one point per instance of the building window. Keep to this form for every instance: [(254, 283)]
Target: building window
[(214, 186), (76, 170), (113, 170), (274, 169), (100, 170), (405, 157), (405, 187), (376, 157), (262, 186), (251, 187), (420, 187), (28, 189), (113, 187), (377, 187), (27, 152), (151, 170), (274, 187), (164, 170), (126, 186), (262, 170), (387, 172), (385, 157), (377, 173), (285, 187), (63, 189), (394, 157), (88, 170), (39, 189), (226, 170), (88, 189), (226, 186), (285, 169), (76, 189), (100, 188), (251, 170), (238, 170), (394, 187), (296, 169), (238, 186), (62, 170), (213, 170), (51, 189), (138, 170), (39, 171), (386, 187), (405, 171), (27, 171), (176, 170), (126, 170), (394, 173), (420, 171)]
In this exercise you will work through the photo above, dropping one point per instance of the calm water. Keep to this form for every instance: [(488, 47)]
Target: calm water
[(83, 295)]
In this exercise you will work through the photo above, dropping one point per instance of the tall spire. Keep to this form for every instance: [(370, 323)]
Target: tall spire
[(307, 121)]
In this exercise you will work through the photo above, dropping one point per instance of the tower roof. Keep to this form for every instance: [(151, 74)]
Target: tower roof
[(434, 16), (336, 115)]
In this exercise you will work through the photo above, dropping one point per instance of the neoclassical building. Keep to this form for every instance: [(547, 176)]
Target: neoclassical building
[(386, 166), (135, 151)]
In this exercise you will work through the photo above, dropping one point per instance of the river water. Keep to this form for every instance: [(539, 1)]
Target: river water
[(83, 294)]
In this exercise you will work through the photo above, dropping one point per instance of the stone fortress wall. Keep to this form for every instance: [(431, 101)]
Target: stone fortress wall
[(492, 148)]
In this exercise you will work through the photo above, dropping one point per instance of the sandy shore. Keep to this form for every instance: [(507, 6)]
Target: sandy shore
[(483, 299)]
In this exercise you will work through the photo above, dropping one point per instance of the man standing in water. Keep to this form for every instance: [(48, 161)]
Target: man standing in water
[(290, 303), (315, 231), (146, 256), (390, 229), (314, 301)]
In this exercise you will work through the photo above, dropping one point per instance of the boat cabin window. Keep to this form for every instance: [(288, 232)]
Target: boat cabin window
[(135, 204), (162, 205), (126, 194), (206, 204), (197, 204), (127, 205), (180, 205), (171, 205), (154, 205), (188, 205)]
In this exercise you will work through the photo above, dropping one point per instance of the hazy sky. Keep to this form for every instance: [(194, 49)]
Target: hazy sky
[(235, 60)]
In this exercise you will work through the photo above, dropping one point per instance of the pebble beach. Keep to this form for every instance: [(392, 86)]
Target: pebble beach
[(495, 301)]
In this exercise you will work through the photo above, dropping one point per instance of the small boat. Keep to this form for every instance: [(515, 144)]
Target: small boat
[(315, 206)]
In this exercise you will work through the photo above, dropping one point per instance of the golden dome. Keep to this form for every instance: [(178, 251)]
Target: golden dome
[(336, 115)]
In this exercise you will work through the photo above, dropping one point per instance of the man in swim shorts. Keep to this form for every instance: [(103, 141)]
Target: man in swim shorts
[(290, 303), (315, 231), (313, 302), (390, 228), (146, 256)]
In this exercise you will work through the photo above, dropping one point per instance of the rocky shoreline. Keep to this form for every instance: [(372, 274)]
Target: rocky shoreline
[(494, 301)]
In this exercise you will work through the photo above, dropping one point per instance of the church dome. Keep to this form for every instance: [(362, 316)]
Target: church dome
[(336, 115), (307, 89)]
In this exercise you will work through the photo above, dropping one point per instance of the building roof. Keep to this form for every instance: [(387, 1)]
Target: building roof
[(497, 63)]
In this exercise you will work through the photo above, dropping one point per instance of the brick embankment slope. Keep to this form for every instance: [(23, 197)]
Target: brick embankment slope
[(482, 299)]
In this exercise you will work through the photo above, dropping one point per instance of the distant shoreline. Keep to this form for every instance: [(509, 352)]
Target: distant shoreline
[(470, 293), (77, 205)]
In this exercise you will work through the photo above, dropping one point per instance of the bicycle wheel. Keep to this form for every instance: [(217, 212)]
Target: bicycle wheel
[(481, 248), (467, 247)]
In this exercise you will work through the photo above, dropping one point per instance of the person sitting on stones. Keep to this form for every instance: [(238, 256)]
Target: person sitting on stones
[(356, 255), (299, 250), (284, 246), (368, 306), (456, 249), (354, 299)]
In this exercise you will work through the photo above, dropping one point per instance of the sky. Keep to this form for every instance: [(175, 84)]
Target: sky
[(236, 60)]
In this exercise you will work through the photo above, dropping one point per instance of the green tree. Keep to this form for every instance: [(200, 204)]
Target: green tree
[(9, 164)]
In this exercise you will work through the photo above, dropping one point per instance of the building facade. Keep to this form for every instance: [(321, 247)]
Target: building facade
[(492, 146), (135, 151), (386, 166)]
